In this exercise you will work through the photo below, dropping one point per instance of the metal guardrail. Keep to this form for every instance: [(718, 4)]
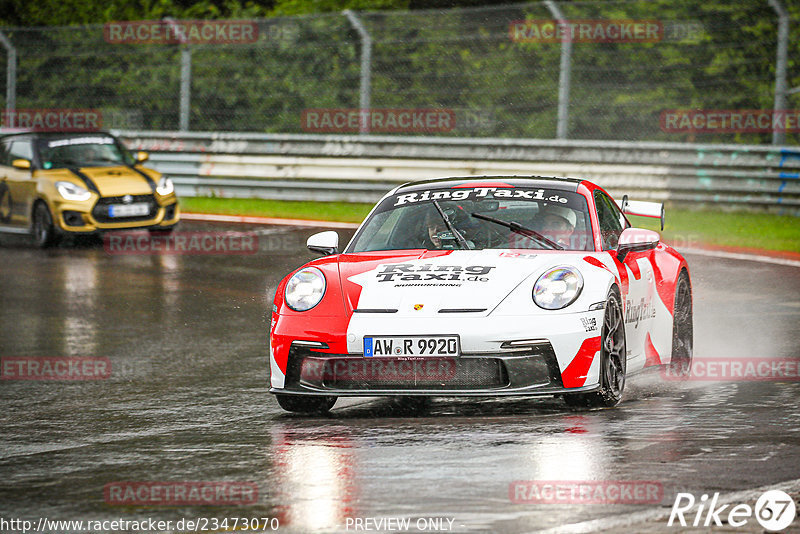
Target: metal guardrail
[(361, 168)]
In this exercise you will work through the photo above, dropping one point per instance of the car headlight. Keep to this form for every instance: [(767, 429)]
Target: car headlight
[(165, 186), (305, 289), (71, 191), (557, 288)]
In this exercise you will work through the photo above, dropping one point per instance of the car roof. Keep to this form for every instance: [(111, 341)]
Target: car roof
[(544, 182), (6, 133)]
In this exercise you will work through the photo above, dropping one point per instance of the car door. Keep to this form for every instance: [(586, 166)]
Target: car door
[(637, 303), (20, 184), (5, 195)]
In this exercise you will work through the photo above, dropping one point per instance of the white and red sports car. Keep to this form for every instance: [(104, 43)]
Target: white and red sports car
[(483, 287)]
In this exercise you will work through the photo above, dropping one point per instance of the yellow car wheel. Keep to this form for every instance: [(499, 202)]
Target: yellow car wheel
[(44, 233)]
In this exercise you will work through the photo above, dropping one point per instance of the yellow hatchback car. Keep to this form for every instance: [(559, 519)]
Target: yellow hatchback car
[(57, 184)]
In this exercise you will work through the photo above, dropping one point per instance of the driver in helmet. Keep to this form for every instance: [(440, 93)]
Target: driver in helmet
[(434, 229), (557, 223)]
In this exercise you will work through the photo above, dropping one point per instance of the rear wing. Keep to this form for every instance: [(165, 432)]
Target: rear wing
[(642, 209)]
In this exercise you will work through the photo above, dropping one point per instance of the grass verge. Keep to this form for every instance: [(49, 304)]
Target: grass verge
[(689, 228), (288, 209), (684, 228)]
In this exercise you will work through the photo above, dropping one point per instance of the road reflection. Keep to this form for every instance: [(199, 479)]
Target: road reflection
[(315, 477)]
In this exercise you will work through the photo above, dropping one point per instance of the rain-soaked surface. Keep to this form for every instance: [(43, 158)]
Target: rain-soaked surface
[(186, 400)]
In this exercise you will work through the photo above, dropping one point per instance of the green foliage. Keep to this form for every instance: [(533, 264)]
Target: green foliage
[(458, 59)]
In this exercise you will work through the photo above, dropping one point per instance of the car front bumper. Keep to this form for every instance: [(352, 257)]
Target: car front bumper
[(91, 216), (512, 360)]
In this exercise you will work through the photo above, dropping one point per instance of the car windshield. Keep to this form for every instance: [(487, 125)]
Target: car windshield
[(479, 218), (81, 151)]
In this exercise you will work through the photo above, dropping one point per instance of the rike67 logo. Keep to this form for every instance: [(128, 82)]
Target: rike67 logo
[(774, 510)]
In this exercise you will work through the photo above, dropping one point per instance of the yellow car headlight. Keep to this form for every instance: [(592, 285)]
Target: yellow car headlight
[(165, 186), (70, 191)]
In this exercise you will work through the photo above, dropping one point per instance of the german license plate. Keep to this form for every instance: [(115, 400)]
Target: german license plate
[(398, 346), (129, 210)]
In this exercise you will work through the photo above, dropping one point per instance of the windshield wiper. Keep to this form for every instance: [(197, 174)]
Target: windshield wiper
[(460, 238), (519, 229)]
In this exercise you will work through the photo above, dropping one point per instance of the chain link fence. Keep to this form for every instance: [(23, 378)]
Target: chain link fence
[(496, 71)]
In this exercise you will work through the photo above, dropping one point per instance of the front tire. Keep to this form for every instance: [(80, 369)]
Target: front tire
[(164, 230), (680, 364), (412, 405), (44, 233), (306, 405), (613, 356)]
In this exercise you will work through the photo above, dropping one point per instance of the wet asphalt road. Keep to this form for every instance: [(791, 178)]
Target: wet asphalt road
[(187, 400)]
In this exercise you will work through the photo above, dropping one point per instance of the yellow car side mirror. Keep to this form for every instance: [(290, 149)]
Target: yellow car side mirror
[(142, 156), (22, 164)]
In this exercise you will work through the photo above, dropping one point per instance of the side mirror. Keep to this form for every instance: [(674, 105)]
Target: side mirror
[(21, 164), (142, 156), (635, 240), (326, 243)]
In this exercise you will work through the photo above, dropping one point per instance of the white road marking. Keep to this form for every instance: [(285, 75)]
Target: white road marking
[(333, 224), (13, 230), (265, 220)]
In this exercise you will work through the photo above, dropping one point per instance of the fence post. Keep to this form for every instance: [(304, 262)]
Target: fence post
[(366, 69), (186, 77), (11, 79), (779, 136), (564, 75), (186, 87)]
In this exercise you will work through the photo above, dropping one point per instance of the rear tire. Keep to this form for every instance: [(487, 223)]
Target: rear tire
[(306, 405), (44, 233), (613, 356), (680, 364)]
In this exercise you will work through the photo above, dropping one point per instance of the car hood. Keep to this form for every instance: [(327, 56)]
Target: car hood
[(111, 181), (417, 283)]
